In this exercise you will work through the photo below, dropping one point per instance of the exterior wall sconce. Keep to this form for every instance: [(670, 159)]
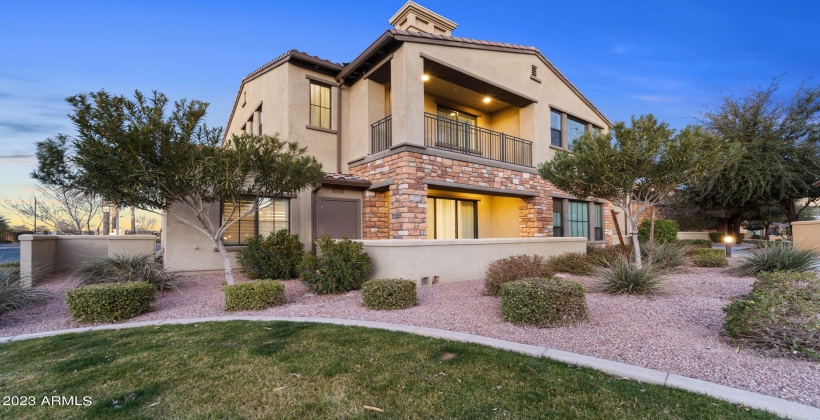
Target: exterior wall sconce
[(425, 77)]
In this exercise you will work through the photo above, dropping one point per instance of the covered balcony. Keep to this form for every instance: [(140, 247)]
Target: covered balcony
[(459, 112)]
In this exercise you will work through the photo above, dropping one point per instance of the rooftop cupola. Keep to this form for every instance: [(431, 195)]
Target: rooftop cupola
[(413, 17)]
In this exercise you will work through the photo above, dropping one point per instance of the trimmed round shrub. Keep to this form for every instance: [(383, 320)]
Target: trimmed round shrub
[(110, 302), (574, 263), (254, 295), (127, 268), (666, 230), (781, 314), (543, 302), (276, 256), (777, 258), (710, 259), (389, 294), (341, 266), (623, 278), (514, 268)]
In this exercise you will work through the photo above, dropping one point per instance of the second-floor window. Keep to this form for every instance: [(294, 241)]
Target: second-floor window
[(575, 129), (319, 105), (555, 129)]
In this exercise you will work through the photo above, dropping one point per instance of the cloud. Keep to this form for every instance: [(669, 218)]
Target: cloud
[(4, 95), (25, 128), (19, 159), (655, 98)]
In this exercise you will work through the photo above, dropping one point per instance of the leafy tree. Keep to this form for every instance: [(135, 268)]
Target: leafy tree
[(58, 207), (132, 152), (640, 164), (777, 146)]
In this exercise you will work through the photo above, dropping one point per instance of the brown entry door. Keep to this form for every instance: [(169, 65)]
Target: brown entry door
[(339, 218)]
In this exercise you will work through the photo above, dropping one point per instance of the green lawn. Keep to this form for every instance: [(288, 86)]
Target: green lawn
[(299, 370)]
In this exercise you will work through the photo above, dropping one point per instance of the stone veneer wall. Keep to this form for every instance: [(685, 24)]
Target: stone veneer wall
[(406, 217)]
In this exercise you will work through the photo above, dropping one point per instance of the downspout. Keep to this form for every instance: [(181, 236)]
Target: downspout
[(339, 128)]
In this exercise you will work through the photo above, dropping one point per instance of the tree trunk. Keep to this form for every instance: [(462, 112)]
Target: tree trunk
[(133, 221), (651, 243), (106, 219), (765, 234), (637, 249), (226, 260), (116, 220)]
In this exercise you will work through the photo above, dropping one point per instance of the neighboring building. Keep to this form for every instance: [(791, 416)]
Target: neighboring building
[(424, 136)]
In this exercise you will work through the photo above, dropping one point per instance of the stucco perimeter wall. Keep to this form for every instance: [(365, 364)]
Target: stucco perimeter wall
[(41, 255), (806, 235), (693, 236), (446, 261)]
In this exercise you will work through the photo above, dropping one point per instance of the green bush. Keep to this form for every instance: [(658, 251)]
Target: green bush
[(710, 259), (781, 314), (12, 294), (341, 265), (716, 236), (543, 302), (777, 258), (127, 268), (622, 277), (574, 263), (514, 268), (276, 256), (254, 295), (710, 251), (666, 230), (696, 243), (110, 302), (389, 294)]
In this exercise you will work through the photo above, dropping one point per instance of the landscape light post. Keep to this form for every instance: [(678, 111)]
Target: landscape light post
[(728, 240)]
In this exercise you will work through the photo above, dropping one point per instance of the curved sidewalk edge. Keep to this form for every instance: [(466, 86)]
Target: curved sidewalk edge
[(773, 405)]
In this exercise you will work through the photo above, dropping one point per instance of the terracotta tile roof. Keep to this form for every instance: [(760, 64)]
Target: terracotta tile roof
[(295, 54), (462, 40)]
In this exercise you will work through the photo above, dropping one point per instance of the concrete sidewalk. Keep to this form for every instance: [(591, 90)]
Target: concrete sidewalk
[(773, 405)]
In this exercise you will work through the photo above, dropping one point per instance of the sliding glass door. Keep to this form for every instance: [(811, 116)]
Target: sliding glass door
[(452, 218)]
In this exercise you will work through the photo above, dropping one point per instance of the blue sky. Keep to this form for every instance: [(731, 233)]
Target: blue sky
[(673, 59)]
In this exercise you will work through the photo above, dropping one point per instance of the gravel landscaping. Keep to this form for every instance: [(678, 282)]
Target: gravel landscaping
[(677, 331)]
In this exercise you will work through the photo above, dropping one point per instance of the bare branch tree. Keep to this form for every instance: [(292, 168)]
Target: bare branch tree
[(58, 208)]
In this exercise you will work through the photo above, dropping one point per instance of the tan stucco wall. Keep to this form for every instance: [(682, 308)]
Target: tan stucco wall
[(187, 249), (693, 235), (456, 260), (806, 235), (41, 255)]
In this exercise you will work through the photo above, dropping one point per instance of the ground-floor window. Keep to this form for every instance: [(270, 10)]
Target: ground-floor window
[(572, 218), (453, 218), (270, 217)]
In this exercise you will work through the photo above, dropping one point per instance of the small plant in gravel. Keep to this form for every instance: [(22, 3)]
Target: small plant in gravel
[(13, 295), (276, 256), (543, 302), (389, 294), (254, 295), (574, 263), (623, 278), (777, 258), (666, 230), (341, 266), (514, 268), (710, 259), (127, 268), (606, 257), (110, 302), (665, 256), (781, 314)]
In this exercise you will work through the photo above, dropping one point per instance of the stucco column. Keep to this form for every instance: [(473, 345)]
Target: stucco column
[(407, 98)]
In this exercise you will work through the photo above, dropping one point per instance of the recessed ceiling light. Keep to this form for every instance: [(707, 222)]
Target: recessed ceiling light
[(425, 77), (487, 100)]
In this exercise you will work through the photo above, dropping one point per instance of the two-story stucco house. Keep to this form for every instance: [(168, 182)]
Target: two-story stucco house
[(424, 136)]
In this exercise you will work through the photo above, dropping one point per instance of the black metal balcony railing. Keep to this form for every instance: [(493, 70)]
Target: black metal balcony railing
[(381, 134), (461, 137)]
